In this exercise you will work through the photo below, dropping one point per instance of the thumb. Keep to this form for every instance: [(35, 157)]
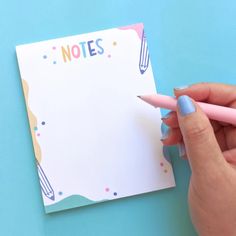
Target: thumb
[(201, 145)]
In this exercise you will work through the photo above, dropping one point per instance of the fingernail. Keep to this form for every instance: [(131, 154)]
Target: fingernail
[(181, 87), (185, 105), (182, 150), (165, 133), (166, 153), (167, 115)]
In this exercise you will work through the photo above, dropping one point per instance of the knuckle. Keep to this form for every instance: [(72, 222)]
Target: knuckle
[(197, 130)]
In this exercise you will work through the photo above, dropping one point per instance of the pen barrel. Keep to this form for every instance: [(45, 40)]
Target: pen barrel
[(219, 113), (214, 112), (164, 101)]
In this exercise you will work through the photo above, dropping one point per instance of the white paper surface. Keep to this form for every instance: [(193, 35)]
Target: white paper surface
[(97, 139)]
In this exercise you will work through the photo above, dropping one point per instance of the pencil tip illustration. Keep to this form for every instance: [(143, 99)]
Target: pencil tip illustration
[(52, 197), (142, 71)]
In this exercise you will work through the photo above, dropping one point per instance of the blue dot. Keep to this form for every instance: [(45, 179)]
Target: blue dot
[(45, 57), (60, 193), (54, 62), (43, 123), (115, 194), (35, 128)]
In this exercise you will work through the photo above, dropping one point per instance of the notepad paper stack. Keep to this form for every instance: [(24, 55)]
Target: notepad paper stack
[(93, 139)]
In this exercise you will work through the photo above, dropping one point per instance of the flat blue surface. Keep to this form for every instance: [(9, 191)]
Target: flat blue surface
[(189, 41)]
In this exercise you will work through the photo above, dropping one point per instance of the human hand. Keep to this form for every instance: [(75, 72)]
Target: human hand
[(211, 151)]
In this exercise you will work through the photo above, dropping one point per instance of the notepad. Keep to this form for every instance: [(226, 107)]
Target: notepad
[(93, 139)]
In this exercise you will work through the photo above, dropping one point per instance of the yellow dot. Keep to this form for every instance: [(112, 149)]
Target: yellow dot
[(114, 43)]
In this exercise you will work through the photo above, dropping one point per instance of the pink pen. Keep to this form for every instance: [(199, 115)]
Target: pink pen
[(214, 112)]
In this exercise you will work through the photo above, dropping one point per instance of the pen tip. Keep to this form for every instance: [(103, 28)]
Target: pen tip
[(139, 96)]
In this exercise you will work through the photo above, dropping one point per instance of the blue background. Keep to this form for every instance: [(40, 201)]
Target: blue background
[(189, 41)]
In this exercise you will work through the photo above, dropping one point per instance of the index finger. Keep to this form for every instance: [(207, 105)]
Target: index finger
[(215, 93)]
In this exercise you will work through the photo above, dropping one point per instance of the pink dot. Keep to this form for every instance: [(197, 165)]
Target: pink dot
[(107, 189), (54, 48), (38, 134), (161, 164), (109, 55)]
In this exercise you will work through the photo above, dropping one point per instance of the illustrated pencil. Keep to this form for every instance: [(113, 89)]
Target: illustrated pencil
[(144, 55), (44, 183)]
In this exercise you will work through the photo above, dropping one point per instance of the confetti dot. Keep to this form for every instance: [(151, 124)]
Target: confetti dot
[(44, 56), (161, 164), (115, 194), (35, 128), (114, 43), (107, 189), (54, 48), (38, 134), (54, 62), (165, 171), (109, 55), (43, 123), (60, 193)]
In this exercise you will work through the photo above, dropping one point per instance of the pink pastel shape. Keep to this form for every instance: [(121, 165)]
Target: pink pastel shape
[(107, 189), (54, 48), (38, 134), (109, 55), (138, 28)]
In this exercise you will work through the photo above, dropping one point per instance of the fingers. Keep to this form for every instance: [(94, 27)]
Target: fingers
[(220, 94), (182, 151), (171, 119), (201, 145), (217, 136), (171, 136), (230, 156), (230, 134), (224, 135)]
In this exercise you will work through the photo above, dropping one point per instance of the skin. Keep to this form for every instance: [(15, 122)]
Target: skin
[(211, 152)]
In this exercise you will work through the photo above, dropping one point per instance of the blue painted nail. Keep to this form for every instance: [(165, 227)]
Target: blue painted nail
[(167, 115), (181, 87), (185, 105), (182, 150), (163, 127), (165, 132), (166, 153)]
